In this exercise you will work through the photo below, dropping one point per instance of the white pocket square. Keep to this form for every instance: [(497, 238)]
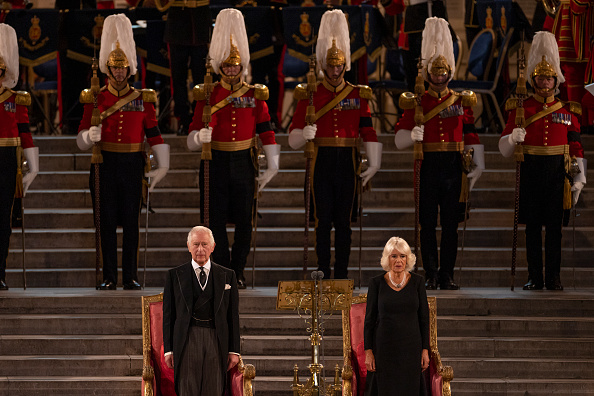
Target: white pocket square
[(227, 286)]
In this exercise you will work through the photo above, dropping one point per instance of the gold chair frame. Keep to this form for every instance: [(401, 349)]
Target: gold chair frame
[(148, 373), (446, 372)]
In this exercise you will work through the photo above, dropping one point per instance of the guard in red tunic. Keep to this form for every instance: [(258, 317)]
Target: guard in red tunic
[(549, 138), (127, 117), (14, 136), (343, 119), (239, 116), (447, 131)]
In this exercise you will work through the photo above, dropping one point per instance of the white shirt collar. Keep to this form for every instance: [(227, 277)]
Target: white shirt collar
[(206, 270)]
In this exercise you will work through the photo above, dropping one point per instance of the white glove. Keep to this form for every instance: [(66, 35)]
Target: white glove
[(417, 133), (479, 161), (518, 135), (83, 139), (32, 156), (95, 134), (374, 158), (272, 157), (193, 141), (161, 152), (205, 135), (575, 189), (309, 132)]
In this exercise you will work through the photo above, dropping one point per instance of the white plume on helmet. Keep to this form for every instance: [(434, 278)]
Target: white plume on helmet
[(437, 40), (9, 51), (117, 28), (333, 26), (544, 44), (229, 24)]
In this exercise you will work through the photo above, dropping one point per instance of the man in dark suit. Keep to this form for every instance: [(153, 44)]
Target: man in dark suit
[(200, 320)]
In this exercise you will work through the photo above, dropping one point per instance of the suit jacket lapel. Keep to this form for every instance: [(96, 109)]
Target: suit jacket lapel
[(218, 284), (184, 276)]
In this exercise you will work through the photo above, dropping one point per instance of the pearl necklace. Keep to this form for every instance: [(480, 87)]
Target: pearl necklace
[(397, 285)]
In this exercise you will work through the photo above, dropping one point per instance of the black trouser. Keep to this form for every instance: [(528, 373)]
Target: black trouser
[(265, 71), (180, 55), (441, 179), (8, 166), (541, 204), (334, 182), (231, 184), (121, 198)]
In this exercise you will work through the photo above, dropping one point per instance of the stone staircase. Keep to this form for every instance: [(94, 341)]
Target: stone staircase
[(60, 232), (62, 337)]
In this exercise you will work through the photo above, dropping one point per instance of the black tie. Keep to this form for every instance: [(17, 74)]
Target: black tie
[(202, 277)]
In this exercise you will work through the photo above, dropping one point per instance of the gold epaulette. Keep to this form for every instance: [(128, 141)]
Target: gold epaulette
[(86, 96), (574, 107), (511, 104), (260, 91), (407, 101), (149, 95), (365, 92), (468, 98), (199, 93), (300, 92), (23, 98)]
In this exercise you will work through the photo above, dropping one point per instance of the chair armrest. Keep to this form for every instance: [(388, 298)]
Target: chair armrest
[(445, 372), (148, 379)]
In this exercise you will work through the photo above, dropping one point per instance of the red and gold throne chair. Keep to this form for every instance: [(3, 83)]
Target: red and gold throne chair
[(355, 373), (157, 378)]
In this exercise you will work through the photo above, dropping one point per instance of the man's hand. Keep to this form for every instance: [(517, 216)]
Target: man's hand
[(425, 359), (169, 361), (95, 134), (417, 133), (518, 135), (309, 132), (369, 360), (205, 135), (232, 361)]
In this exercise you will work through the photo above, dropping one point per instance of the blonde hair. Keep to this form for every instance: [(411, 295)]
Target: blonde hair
[(399, 244), (199, 229)]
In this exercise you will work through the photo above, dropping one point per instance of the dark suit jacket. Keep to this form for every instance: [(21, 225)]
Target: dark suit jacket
[(178, 307)]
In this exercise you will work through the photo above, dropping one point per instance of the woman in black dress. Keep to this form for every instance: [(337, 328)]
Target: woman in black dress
[(396, 325)]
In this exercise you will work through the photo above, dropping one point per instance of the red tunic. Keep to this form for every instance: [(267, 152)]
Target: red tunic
[(448, 125), (556, 129), (240, 120), (351, 118), (127, 125), (14, 118)]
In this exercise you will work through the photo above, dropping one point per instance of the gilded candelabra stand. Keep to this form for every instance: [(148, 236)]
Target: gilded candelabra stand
[(316, 300)]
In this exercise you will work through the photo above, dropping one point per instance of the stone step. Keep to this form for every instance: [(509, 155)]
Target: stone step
[(71, 324), (281, 386), (287, 257), (188, 178), (70, 385), (477, 347), (72, 365), (94, 344), (280, 237), (502, 198), (539, 368), (269, 277)]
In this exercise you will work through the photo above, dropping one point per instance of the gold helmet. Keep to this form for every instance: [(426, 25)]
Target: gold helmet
[(437, 49), (333, 47), (117, 57), (335, 56), (234, 58), (229, 43), (543, 59), (117, 44), (9, 56)]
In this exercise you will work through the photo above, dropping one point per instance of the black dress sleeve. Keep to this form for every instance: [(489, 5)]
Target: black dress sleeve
[(423, 314), (371, 314)]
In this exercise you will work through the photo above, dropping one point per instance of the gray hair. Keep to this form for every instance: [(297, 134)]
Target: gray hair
[(399, 244), (199, 229)]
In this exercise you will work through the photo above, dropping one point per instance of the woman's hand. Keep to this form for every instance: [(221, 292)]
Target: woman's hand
[(424, 359), (369, 360)]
